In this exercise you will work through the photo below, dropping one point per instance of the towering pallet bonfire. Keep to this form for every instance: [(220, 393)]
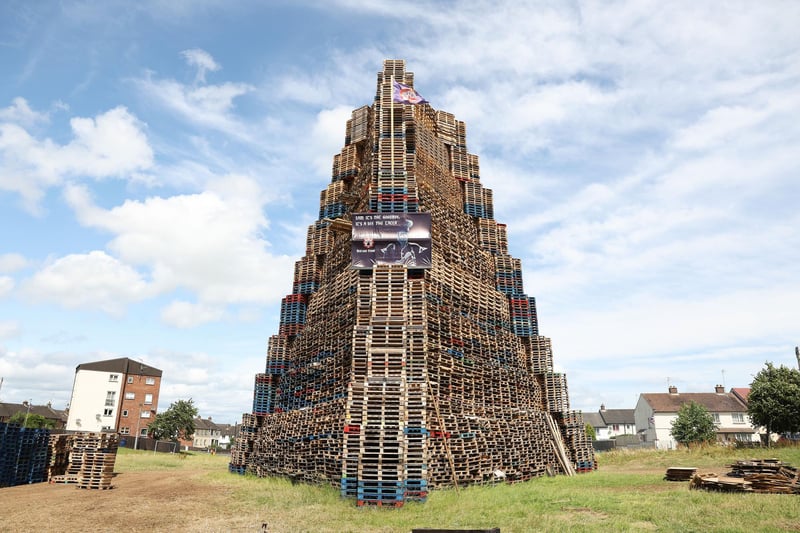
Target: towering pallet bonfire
[(408, 355)]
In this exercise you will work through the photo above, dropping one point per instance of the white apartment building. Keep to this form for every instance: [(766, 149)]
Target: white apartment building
[(118, 395)]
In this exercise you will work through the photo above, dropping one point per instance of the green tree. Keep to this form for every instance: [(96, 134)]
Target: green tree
[(774, 400), (30, 420), (175, 423), (590, 432), (694, 425)]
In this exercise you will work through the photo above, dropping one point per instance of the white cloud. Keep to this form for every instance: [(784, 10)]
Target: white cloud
[(205, 105), (37, 376), (327, 136), (88, 281), (189, 375), (110, 145), (9, 329), (202, 60), (6, 285), (188, 315), (19, 112), (716, 127), (12, 262), (637, 324), (211, 243)]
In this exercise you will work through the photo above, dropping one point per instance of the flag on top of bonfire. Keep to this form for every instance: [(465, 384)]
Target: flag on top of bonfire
[(403, 94)]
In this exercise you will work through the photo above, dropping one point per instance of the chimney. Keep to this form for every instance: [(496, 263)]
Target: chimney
[(673, 389), (25, 403), (602, 407), (719, 389)]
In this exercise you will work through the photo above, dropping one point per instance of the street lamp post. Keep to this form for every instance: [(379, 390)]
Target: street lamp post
[(25, 423), (138, 421)]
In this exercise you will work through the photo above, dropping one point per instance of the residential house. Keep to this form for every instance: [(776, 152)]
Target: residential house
[(599, 425), (655, 413), (228, 434), (743, 393), (56, 416), (206, 435), (118, 395), (611, 423), (618, 421)]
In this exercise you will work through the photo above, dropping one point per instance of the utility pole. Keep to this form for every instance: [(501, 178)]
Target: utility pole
[(797, 354)]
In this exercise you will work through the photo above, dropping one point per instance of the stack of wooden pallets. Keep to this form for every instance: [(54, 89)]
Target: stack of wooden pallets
[(393, 381), (23, 455), (60, 448)]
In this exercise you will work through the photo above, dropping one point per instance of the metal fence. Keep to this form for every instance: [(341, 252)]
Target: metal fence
[(146, 443)]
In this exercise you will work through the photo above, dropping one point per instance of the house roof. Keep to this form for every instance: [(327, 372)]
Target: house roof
[(7, 410), (618, 416), (230, 430), (741, 393), (714, 402), (594, 419), (205, 423), (122, 365)]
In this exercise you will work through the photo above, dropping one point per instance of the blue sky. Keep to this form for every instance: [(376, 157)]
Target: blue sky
[(160, 162)]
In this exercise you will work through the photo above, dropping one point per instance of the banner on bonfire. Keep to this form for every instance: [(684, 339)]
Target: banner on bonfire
[(391, 239)]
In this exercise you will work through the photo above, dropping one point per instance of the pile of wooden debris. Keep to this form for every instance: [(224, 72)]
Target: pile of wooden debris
[(757, 475)]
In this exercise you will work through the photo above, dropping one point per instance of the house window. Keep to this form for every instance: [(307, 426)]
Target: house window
[(143, 432), (110, 397), (124, 412), (130, 395), (738, 418), (130, 379), (145, 414), (107, 412), (148, 398), (715, 416), (113, 377), (150, 381), (124, 431)]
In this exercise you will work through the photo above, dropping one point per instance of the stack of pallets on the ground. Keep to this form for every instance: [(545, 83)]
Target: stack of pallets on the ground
[(23, 455), (680, 473), (99, 455), (60, 446), (91, 460), (758, 475)]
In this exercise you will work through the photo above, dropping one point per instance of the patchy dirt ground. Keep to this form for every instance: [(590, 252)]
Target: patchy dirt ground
[(139, 501)]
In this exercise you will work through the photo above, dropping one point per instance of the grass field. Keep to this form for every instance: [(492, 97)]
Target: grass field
[(626, 493)]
